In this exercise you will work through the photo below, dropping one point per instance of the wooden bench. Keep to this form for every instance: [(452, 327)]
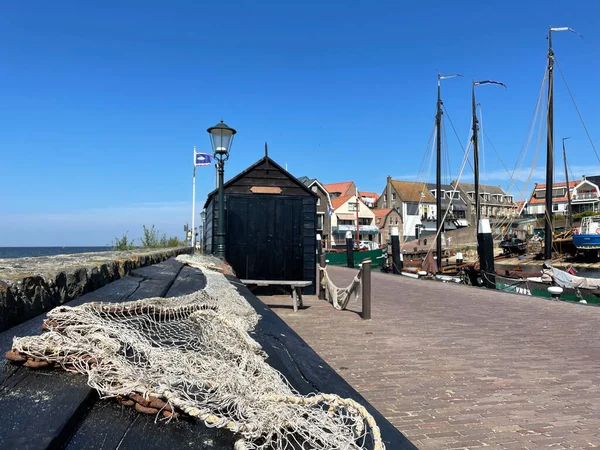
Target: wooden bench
[(296, 287)]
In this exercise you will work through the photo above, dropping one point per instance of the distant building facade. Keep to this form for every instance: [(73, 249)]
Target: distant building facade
[(494, 202), (414, 202), (385, 219)]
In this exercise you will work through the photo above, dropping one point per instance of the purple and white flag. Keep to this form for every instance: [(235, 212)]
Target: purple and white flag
[(202, 159)]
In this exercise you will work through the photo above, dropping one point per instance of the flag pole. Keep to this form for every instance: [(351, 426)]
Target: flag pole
[(194, 203)]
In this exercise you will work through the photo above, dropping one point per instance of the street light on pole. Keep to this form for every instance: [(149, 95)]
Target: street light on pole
[(221, 137)]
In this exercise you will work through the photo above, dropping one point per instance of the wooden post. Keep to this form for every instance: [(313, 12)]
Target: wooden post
[(485, 247), (349, 250), (366, 289), (396, 261), (322, 263)]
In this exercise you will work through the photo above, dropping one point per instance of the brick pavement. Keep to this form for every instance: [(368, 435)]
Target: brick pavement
[(460, 367)]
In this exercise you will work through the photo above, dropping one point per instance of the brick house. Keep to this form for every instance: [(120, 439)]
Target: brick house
[(385, 219)]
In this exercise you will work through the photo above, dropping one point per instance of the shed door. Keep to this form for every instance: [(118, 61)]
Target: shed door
[(264, 237)]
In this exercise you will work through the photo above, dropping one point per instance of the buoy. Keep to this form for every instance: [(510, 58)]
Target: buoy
[(555, 291), (583, 301)]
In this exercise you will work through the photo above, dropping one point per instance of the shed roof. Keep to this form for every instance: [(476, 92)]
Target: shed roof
[(263, 160)]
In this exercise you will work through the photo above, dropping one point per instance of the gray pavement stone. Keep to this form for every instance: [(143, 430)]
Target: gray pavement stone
[(459, 367)]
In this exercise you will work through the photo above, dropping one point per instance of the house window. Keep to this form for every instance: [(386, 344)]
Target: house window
[(379, 220), (319, 201), (314, 189), (385, 197), (471, 195), (554, 207), (393, 196), (433, 192), (320, 221), (352, 206)]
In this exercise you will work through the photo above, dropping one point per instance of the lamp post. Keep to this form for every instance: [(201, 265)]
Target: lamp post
[(221, 137)]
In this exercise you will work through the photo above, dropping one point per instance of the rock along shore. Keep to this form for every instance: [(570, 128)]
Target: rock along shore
[(31, 286)]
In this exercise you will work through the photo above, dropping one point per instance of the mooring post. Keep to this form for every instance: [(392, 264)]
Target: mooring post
[(322, 263), (349, 250), (485, 248), (396, 260), (366, 289), (318, 275)]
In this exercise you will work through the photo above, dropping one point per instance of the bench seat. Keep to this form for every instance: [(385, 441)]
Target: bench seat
[(296, 287)]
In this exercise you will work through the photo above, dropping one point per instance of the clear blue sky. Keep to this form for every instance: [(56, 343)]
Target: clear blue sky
[(101, 104)]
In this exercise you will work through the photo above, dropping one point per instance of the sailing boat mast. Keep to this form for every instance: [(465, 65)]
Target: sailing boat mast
[(476, 145), (438, 179), (476, 158), (438, 173), (570, 211), (549, 229)]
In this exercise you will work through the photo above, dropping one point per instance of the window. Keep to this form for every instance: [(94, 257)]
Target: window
[(319, 201), (379, 220), (393, 196), (352, 206), (320, 221), (433, 192), (385, 197), (314, 188), (471, 195), (554, 207)]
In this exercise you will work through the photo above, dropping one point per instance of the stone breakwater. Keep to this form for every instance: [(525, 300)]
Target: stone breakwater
[(31, 286)]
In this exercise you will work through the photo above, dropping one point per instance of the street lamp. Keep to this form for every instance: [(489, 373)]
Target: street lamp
[(221, 137)]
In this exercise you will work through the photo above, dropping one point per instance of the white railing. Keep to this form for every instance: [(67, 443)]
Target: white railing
[(585, 196)]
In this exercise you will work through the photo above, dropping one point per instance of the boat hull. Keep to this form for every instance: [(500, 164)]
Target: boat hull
[(537, 289), (586, 241), (377, 257)]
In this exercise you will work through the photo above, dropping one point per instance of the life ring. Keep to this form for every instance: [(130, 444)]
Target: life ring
[(598, 230)]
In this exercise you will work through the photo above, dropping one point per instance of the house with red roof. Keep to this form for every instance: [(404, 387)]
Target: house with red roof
[(536, 205), (345, 188)]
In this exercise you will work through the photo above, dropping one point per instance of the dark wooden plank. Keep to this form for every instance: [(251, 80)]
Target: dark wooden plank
[(22, 388), (189, 280), (40, 409)]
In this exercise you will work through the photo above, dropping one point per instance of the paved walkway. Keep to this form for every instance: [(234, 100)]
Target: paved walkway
[(459, 367)]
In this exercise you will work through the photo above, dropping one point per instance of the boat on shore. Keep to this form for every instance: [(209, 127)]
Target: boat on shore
[(587, 237), (378, 257), (574, 288)]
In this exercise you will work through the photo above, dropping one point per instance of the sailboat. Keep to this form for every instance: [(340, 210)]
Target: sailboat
[(570, 287)]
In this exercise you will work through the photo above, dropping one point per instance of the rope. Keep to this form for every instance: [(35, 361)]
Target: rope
[(576, 108), (340, 297)]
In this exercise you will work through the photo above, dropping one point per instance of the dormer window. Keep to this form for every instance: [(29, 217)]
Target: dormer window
[(433, 192)]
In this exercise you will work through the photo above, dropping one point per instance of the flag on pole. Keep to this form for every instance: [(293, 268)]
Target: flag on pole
[(479, 83), (202, 159)]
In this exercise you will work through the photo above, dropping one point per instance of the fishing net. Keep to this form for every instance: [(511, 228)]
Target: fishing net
[(337, 296), (193, 354)]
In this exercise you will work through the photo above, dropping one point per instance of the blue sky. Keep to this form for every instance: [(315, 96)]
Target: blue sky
[(102, 104)]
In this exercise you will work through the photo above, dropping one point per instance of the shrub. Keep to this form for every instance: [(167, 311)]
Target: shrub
[(122, 243)]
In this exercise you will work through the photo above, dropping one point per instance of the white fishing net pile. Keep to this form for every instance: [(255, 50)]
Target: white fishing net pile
[(195, 353)]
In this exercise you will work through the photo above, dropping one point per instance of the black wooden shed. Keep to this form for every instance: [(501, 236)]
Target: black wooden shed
[(270, 225)]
